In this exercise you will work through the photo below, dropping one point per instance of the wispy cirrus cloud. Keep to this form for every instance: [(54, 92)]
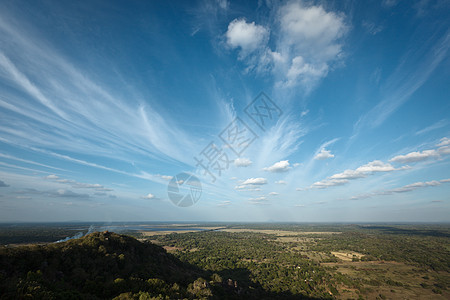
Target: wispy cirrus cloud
[(76, 109), (404, 81), (439, 124)]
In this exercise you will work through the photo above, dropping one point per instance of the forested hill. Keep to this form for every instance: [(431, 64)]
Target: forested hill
[(100, 265), (106, 265)]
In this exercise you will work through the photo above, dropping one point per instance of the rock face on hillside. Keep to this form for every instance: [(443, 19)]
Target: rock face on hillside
[(99, 265)]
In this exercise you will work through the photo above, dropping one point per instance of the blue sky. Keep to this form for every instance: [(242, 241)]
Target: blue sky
[(102, 103)]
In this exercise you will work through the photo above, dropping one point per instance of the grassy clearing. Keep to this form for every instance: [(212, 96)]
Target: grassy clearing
[(347, 255), (279, 232)]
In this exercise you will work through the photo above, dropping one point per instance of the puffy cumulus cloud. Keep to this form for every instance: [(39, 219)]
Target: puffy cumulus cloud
[(273, 194), (307, 40), (246, 36), (255, 181), (323, 154), (348, 174), (148, 196), (360, 172), (305, 72), (280, 182), (281, 166), (165, 177), (375, 166), (242, 162), (416, 156), (52, 176), (3, 184), (403, 189), (310, 40), (305, 26)]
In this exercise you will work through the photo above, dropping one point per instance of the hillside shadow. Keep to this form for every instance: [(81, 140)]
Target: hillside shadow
[(238, 284)]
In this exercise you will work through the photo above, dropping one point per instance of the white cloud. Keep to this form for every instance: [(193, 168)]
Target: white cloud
[(304, 72), (328, 182), (246, 36), (306, 43), (360, 172), (280, 182), (273, 194), (224, 203), (372, 28), (375, 166), (67, 193), (437, 125), (258, 200), (79, 185), (323, 154), (415, 156), (223, 4), (262, 198), (444, 142), (255, 181), (242, 162), (165, 177), (348, 174), (148, 196), (408, 77), (444, 150), (310, 39), (403, 189), (281, 166)]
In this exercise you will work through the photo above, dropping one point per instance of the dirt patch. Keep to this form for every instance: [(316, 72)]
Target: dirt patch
[(172, 249), (347, 255), (281, 232)]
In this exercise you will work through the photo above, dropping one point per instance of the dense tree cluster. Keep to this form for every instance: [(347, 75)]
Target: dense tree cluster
[(234, 265), (100, 265)]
